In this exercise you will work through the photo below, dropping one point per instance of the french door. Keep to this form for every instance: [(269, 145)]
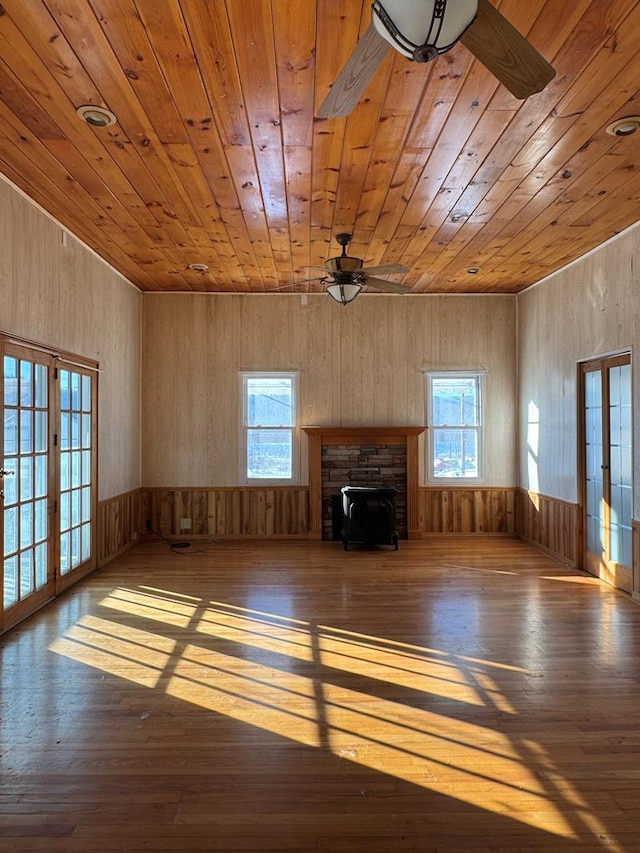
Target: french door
[(47, 478), (607, 469)]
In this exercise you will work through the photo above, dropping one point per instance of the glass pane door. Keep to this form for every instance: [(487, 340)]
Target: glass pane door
[(26, 497), (608, 469)]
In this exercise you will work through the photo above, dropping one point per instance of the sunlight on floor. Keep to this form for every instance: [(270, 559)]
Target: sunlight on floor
[(288, 677)]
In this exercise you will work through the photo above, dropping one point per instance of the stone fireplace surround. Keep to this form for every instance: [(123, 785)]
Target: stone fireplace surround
[(372, 465), (368, 438)]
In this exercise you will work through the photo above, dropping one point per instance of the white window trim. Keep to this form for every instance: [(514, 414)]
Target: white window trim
[(479, 375), (294, 375)]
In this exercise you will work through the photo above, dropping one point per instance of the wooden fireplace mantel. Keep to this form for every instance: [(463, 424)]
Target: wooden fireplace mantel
[(407, 435)]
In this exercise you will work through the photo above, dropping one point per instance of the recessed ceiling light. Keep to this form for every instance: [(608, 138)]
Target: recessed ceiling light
[(96, 116), (198, 267), (473, 270), (624, 126)]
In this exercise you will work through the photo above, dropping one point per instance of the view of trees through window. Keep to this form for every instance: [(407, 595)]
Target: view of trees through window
[(270, 419), (455, 425)]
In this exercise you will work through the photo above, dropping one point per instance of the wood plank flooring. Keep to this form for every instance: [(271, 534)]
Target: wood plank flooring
[(460, 695)]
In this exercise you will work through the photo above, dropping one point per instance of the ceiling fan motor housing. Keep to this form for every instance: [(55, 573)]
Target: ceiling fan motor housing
[(423, 29), (343, 263)]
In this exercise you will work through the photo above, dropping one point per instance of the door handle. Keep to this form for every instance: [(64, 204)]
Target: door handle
[(5, 473)]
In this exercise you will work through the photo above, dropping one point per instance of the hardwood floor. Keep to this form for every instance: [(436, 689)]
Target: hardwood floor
[(458, 695)]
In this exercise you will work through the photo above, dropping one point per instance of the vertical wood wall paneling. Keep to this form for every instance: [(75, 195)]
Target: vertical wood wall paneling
[(278, 511), (551, 524), (635, 550), (118, 525), (466, 510), (362, 365)]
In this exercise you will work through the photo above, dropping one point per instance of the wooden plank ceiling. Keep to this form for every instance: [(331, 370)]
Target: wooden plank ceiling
[(216, 157)]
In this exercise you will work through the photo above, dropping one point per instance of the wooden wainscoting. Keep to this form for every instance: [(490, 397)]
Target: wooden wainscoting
[(280, 511), (118, 525), (635, 560), (466, 510), (549, 523)]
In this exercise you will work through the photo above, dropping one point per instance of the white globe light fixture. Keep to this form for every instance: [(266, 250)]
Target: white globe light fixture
[(423, 29)]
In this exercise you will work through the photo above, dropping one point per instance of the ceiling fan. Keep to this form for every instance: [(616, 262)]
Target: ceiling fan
[(421, 30), (347, 275)]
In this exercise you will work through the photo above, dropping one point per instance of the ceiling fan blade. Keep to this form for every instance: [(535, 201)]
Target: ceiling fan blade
[(506, 53), (384, 269), (389, 286), (297, 283), (355, 76)]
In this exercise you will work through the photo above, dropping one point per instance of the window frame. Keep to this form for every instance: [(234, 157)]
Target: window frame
[(294, 377), (478, 376)]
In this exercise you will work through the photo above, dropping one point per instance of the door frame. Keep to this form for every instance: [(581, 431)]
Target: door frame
[(35, 351)]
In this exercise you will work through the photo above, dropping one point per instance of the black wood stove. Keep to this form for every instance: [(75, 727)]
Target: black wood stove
[(369, 516)]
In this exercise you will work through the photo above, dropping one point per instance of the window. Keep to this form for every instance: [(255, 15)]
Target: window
[(270, 445), (454, 417)]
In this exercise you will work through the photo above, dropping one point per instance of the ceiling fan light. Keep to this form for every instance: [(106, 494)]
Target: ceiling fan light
[(344, 293), (423, 29)]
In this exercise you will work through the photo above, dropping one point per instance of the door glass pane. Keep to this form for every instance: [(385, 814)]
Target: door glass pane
[(26, 524), (41, 565), (10, 482), (27, 585), (41, 391), (40, 433), (41, 469), (11, 431), (10, 595), (10, 381), (26, 383)]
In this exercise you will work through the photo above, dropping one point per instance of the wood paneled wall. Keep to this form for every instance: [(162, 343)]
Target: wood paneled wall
[(118, 525), (260, 512), (466, 510), (285, 512), (360, 366), (589, 309), (636, 560), (55, 290), (550, 524)]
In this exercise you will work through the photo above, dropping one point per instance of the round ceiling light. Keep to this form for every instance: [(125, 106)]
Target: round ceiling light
[(198, 267), (624, 126), (96, 116)]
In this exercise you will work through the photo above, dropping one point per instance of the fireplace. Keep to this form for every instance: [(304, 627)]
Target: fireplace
[(373, 466), (375, 457)]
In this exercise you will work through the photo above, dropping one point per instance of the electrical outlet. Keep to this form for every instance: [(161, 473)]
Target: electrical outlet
[(185, 524)]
